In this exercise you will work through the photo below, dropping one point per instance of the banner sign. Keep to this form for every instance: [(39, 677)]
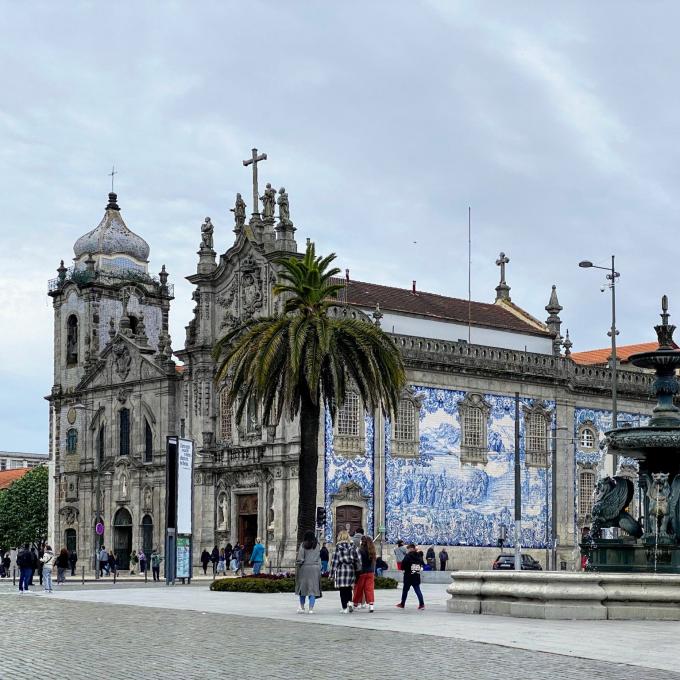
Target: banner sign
[(185, 463), (183, 568)]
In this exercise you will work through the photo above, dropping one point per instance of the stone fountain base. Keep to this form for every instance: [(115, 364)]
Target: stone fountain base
[(629, 555), (560, 595)]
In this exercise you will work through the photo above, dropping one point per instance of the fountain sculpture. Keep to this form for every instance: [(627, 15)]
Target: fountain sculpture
[(650, 543)]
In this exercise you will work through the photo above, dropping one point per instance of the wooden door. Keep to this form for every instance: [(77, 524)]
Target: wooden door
[(348, 517)]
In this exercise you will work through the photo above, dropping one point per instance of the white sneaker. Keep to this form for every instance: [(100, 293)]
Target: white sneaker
[(370, 609), (350, 607), (311, 611), (300, 610), (344, 611)]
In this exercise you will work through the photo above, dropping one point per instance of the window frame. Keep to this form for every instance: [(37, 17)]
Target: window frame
[(72, 440), (124, 432)]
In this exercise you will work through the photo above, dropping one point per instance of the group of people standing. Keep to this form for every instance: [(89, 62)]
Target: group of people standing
[(353, 570), (234, 558), (108, 562), (29, 562), (430, 560)]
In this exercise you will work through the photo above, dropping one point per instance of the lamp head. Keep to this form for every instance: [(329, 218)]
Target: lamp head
[(586, 264)]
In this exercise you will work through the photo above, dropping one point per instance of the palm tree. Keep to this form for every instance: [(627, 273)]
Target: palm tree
[(304, 359)]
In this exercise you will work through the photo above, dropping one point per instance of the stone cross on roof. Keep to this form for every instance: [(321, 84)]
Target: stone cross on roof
[(502, 289), (254, 160)]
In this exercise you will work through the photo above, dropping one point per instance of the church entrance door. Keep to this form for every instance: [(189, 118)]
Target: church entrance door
[(122, 538), (247, 522), (348, 517)]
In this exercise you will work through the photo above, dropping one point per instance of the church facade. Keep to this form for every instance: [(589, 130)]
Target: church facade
[(440, 472)]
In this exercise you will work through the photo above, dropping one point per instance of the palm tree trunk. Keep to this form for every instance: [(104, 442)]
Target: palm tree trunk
[(309, 460)]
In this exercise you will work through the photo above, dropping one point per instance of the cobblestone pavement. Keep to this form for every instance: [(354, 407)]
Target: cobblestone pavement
[(45, 637)]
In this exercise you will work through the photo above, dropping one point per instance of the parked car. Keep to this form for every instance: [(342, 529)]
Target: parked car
[(508, 562)]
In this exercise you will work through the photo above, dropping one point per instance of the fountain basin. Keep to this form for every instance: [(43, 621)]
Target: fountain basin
[(566, 595), (660, 555)]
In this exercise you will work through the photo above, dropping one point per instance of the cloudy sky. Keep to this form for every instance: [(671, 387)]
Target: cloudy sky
[(556, 122)]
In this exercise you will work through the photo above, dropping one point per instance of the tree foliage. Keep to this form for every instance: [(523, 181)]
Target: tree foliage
[(304, 359), (23, 509)]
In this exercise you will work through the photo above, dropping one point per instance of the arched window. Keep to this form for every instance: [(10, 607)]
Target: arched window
[(72, 340), (72, 440), (474, 415), (348, 416), (587, 438), (147, 535), (225, 415), (124, 432), (100, 445), (586, 486), (148, 442), (134, 322)]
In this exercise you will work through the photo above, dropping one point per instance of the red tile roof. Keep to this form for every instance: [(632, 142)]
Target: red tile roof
[(8, 477), (601, 356), (434, 306)]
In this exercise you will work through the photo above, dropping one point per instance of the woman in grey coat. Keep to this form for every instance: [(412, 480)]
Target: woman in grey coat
[(308, 572)]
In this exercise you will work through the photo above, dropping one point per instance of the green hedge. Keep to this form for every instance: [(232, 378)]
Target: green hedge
[(247, 584)]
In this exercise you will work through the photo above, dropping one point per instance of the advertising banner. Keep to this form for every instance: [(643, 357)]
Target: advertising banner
[(183, 557), (185, 462)]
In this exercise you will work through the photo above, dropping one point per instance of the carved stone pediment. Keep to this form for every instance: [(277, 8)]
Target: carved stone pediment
[(350, 492)]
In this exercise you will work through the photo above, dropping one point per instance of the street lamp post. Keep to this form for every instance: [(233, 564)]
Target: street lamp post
[(612, 275)]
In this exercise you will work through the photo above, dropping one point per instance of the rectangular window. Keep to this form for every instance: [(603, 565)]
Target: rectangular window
[(586, 485), (405, 424), (225, 415), (124, 421), (100, 446), (348, 416), (537, 437), (474, 428), (3, 464), (148, 442)]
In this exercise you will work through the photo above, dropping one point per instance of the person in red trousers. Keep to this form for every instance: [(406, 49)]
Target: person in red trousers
[(365, 585)]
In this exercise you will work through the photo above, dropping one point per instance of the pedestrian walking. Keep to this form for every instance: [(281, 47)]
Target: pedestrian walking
[(142, 561), (221, 563), (399, 553), (431, 558), (72, 560), (228, 549), (308, 572), (257, 556), (357, 536), (365, 585), (134, 560), (443, 559), (103, 562), (412, 565), (156, 565), (25, 564), (35, 564), (214, 558), (205, 561), (47, 562), (113, 562), (346, 563), (7, 563), (62, 565), (325, 558)]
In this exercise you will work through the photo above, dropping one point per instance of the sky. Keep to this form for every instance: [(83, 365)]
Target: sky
[(556, 123)]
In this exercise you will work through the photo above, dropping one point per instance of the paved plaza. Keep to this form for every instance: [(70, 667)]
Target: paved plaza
[(152, 631)]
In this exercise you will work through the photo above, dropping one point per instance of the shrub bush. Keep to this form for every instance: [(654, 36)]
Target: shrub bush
[(281, 583)]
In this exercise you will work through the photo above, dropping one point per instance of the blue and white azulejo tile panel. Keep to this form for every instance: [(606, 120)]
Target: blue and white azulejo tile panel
[(339, 470), (434, 499)]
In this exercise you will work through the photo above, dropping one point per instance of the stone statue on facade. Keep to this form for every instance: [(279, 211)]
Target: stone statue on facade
[(207, 230), (284, 207), (612, 496), (223, 510), (239, 211), (268, 202)]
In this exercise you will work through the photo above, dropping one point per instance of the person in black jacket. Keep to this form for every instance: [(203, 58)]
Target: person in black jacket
[(205, 560), (25, 564), (72, 559), (412, 565), (214, 558)]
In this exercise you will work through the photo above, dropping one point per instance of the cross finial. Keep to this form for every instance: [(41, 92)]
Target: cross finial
[(502, 260), (254, 160), (112, 174)]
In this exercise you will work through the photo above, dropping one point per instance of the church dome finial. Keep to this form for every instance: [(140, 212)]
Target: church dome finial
[(112, 238)]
